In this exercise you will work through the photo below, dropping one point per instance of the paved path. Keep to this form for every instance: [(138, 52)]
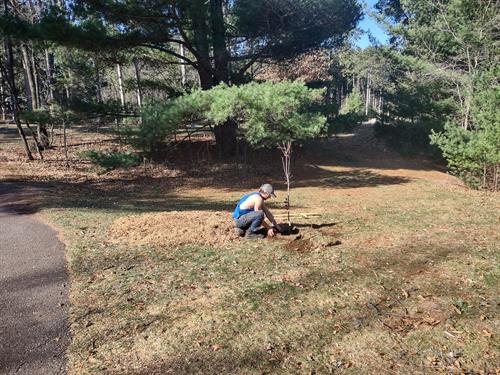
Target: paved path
[(33, 291)]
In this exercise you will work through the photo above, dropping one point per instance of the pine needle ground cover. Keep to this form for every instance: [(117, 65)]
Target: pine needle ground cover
[(411, 288)]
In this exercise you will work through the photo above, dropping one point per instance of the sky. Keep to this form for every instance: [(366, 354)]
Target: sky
[(371, 25)]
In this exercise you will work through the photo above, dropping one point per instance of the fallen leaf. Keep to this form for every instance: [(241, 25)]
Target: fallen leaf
[(459, 312), (487, 333)]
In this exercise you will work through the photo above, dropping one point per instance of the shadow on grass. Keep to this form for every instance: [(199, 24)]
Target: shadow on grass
[(319, 177), (144, 194), (315, 226), (31, 197), (221, 362), (304, 176)]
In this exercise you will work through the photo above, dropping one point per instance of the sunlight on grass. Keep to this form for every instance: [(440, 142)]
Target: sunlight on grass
[(412, 281)]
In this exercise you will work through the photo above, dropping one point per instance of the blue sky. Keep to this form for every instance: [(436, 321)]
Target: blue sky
[(371, 25)]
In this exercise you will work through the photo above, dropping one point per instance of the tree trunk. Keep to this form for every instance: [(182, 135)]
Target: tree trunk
[(201, 33), (226, 133), (225, 137), (67, 88), (13, 90), (221, 57), (183, 66), (206, 81), (30, 78), (120, 84), (98, 85), (36, 80), (49, 66), (367, 98), (137, 70), (65, 140), (2, 96)]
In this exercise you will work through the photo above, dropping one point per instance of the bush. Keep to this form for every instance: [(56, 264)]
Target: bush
[(353, 104), (112, 160), (351, 114), (474, 153), (159, 121), (267, 113)]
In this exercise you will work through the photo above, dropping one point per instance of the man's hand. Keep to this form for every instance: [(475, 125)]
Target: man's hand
[(270, 232)]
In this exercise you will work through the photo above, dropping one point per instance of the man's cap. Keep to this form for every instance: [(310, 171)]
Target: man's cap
[(268, 188)]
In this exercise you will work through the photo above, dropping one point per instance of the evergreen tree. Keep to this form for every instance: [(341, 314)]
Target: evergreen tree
[(219, 39)]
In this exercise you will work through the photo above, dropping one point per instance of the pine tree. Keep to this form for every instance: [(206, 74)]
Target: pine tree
[(220, 39)]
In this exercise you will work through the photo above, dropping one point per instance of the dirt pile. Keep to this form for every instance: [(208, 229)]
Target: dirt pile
[(175, 228)]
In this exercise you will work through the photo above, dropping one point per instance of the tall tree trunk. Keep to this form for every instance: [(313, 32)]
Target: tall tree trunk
[(183, 66), (69, 81), (98, 85), (120, 84), (9, 63), (36, 77), (28, 71), (2, 95), (367, 99), (225, 134), (65, 140), (42, 132), (49, 66), (201, 33), (221, 57), (137, 70)]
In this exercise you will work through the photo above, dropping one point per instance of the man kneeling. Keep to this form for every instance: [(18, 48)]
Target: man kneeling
[(249, 214)]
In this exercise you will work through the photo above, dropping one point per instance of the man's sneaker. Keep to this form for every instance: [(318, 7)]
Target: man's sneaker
[(254, 235), (239, 232)]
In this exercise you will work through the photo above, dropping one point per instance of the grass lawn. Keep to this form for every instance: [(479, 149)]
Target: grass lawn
[(412, 288)]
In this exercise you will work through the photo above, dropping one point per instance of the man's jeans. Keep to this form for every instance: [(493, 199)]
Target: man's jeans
[(250, 221)]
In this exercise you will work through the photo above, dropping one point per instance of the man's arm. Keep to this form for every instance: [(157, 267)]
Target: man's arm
[(271, 218), (259, 205), (269, 215)]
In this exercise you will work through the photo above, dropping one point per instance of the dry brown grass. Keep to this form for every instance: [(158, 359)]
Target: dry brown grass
[(411, 289), (174, 229)]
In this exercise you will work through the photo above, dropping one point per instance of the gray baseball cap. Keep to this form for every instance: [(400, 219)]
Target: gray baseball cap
[(268, 188)]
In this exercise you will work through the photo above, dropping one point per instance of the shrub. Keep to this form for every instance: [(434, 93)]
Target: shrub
[(111, 160), (267, 113), (353, 104), (351, 114), (474, 153), (159, 121)]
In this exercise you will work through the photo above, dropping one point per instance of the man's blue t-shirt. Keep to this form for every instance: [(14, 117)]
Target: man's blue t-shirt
[(240, 212)]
